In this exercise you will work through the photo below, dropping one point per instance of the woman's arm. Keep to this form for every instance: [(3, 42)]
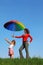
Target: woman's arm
[(7, 41), (18, 36), (30, 38)]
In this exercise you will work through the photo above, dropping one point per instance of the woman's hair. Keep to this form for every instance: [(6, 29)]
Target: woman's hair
[(13, 41), (27, 31)]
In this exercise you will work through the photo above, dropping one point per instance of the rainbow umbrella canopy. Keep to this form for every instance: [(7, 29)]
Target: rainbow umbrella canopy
[(14, 25)]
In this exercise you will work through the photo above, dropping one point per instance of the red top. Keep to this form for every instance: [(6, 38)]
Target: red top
[(25, 37)]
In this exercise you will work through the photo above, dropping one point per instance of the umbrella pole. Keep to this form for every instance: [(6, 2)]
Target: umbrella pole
[(13, 34)]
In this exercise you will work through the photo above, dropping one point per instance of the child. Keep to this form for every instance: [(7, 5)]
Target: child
[(25, 44), (12, 44)]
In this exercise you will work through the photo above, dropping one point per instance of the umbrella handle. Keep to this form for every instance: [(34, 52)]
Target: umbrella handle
[(13, 35)]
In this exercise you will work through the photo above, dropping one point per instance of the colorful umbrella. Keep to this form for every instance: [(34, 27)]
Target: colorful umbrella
[(14, 25)]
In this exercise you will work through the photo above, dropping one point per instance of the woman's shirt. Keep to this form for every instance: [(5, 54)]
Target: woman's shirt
[(25, 37)]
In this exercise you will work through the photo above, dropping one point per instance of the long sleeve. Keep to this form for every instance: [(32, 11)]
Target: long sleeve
[(19, 36), (30, 38)]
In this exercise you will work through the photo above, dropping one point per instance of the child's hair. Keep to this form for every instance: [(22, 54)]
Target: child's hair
[(27, 31), (13, 41)]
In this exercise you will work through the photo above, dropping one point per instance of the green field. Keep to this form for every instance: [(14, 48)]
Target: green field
[(30, 61)]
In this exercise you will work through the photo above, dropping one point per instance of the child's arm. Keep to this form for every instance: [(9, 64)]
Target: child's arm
[(7, 41)]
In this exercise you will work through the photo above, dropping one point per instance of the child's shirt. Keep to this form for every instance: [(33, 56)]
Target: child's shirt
[(11, 46)]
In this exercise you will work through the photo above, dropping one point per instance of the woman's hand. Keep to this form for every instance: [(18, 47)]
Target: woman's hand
[(28, 42), (13, 36)]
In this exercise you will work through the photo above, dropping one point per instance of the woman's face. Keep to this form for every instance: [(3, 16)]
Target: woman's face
[(25, 31)]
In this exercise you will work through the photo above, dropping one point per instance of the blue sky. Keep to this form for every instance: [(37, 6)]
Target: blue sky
[(30, 13)]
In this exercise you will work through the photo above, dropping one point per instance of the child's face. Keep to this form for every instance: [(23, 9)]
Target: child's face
[(12, 42)]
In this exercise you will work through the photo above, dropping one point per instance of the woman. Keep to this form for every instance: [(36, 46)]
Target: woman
[(25, 44)]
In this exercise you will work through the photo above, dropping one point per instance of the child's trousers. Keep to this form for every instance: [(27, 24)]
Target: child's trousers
[(24, 45)]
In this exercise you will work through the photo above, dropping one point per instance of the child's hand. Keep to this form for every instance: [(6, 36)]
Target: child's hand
[(6, 39)]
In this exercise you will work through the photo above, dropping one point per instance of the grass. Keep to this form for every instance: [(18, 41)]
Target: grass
[(30, 61)]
